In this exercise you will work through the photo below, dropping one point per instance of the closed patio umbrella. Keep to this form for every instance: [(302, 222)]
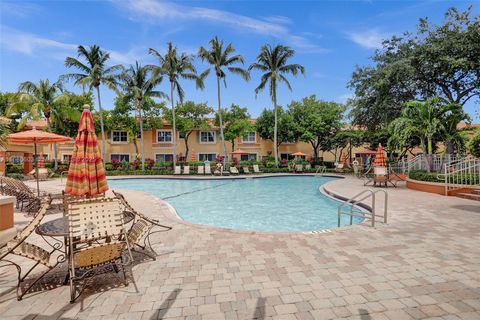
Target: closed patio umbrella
[(298, 154), (380, 160), (344, 158), (86, 174), (36, 137)]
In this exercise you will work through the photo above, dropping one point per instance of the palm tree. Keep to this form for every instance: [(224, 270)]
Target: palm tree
[(93, 73), (220, 58), (44, 98), (139, 84), (175, 66), (273, 62), (424, 120)]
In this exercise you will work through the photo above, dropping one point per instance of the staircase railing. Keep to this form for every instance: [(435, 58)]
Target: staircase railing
[(432, 162), (461, 174), (354, 201)]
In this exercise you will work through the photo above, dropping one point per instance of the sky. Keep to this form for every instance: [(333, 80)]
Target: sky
[(330, 39)]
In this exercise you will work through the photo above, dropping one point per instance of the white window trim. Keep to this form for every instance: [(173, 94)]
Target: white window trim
[(204, 153), (170, 154), (119, 142), (120, 154), (250, 142), (65, 154), (163, 130), (208, 142)]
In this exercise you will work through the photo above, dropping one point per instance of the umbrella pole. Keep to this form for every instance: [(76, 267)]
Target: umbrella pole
[(36, 168)]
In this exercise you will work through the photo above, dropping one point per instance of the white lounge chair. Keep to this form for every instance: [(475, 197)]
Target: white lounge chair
[(256, 169), (201, 170), (234, 170), (299, 168), (208, 169), (186, 169), (178, 170), (246, 170)]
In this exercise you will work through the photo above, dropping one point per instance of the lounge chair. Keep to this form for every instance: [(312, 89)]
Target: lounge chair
[(308, 166), (43, 173), (201, 170), (178, 170), (208, 169), (139, 233), (234, 170), (246, 170), (186, 169), (20, 247), (256, 169), (299, 168), (97, 240), (27, 198), (339, 167)]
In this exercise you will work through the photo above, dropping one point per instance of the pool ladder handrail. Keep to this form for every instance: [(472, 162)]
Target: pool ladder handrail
[(61, 175), (320, 171), (354, 201)]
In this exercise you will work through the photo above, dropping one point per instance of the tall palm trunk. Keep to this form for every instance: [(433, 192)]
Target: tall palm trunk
[(174, 129), (139, 104), (104, 142), (55, 146), (222, 137), (275, 129)]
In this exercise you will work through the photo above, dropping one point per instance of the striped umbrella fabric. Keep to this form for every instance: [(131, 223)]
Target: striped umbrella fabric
[(380, 160), (86, 174), (194, 156), (344, 158)]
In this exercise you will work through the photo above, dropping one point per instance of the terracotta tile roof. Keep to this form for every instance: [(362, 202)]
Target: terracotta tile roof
[(468, 125)]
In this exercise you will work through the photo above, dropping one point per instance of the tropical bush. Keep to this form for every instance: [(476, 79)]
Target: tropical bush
[(422, 175), (473, 146)]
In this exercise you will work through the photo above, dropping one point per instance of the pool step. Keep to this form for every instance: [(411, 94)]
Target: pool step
[(474, 195)]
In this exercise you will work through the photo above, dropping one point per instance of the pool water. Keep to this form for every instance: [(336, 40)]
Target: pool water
[(288, 203)]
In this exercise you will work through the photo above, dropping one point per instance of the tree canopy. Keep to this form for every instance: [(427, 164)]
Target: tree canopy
[(237, 123), (316, 121), (436, 60), (286, 126)]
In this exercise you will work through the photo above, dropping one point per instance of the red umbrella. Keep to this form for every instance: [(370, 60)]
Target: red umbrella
[(299, 154), (194, 156), (239, 151), (344, 158), (86, 175), (36, 137), (380, 160)]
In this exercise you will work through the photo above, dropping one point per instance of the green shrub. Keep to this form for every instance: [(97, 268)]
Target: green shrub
[(17, 176), (473, 146), (108, 166), (422, 175), (14, 168)]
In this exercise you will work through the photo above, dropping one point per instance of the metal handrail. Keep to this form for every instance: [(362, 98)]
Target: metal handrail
[(61, 175), (355, 200), (456, 174), (320, 171)]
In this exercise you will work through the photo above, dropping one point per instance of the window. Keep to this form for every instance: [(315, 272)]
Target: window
[(16, 159), (163, 157), (248, 157), (119, 157), (250, 137), (164, 136), (207, 156), (286, 156), (207, 136), (66, 158), (181, 135), (119, 136)]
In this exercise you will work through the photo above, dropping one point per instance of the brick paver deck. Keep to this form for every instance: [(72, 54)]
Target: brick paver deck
[(425, 263)]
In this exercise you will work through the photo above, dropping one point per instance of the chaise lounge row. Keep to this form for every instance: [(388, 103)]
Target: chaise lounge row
[(207, 170)]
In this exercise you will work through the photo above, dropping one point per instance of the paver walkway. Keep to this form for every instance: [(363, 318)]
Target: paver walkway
[(424, 264)]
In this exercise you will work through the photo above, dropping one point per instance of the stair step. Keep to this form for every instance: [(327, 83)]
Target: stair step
[(470, 196), (476, 191)]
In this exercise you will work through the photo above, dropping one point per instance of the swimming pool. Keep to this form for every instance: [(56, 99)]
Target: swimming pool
[(287, 203)]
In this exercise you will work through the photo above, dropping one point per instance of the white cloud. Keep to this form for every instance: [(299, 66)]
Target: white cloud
[(370, 39), (345, 97), (19, 10), (34, 45), (153, 11)]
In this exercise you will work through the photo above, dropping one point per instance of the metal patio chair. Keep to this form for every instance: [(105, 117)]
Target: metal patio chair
[(97, 241), (141, 229), (21, 247)]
